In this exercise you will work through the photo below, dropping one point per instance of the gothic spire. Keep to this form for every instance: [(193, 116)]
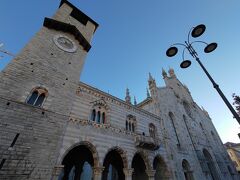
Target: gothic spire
[(128, 98), (171, 72), (164, 74), (135, 101), (148, 94)]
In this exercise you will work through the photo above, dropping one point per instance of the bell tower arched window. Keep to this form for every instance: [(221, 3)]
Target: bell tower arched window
[(37, 97)]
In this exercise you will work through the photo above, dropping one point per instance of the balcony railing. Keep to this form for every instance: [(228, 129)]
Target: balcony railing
[(147, 142)]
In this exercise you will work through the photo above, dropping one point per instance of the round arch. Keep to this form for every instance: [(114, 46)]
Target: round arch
[(144, 156), (89, 145), (122, 153), (140, 164), (114, 162)]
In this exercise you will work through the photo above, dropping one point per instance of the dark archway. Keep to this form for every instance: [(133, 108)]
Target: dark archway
[(113, 166), (78, 164), (139, 167), (210, 165), (187, 170), (161, 169)]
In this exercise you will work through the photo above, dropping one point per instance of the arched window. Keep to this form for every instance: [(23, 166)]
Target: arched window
[(130, 123), (133, 127), (186, 170), (99, 112), (129, 126), (211, 165), (172, 118), (37, 97), (152, 130), (98, 117), (187, 108), (103, 117), (93, 115)]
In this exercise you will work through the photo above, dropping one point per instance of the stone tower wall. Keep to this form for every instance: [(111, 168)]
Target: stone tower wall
[(40, 64)]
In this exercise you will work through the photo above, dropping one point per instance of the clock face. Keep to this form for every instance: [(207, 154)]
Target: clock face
[(65, 43)]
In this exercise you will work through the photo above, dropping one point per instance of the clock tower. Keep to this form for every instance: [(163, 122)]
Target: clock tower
[(37, 90)]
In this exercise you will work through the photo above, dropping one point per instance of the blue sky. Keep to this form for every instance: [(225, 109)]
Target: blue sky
[(132, 39)]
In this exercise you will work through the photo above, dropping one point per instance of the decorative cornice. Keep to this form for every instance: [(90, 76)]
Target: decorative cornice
[(85, 122), (64, 27)]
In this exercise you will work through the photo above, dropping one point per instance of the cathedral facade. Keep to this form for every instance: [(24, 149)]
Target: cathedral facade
[(54, 127)]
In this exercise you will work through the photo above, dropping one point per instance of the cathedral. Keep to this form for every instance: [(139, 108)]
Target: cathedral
[(53, 127)]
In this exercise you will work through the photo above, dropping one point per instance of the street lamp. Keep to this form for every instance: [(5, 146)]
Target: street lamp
[(196, 32)]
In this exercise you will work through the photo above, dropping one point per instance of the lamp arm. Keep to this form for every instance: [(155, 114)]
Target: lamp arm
[(189, 34), (198, 42), (183, 53), (180, 44)]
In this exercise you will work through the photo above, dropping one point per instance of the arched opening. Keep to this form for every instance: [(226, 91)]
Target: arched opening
[(103, 117), (93, 115), (33, 98), (129, 126), (113, 166), (98, 117), (78, 164), (152, 130), (187, 108), (172, 118), (139, 167), (37, 97), (210, 165), (187, 170), (161, 169)]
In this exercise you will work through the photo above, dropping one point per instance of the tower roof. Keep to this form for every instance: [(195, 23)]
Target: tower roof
[(79, 15)]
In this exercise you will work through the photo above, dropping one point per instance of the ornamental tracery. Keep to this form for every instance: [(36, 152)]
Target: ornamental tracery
[(131, 123), (99, 112)]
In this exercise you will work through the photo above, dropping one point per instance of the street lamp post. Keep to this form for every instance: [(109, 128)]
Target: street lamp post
[(196, 32)]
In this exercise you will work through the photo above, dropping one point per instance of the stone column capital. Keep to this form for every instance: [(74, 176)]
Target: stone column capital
[(150, 173), (128, 172), (57, 170), (98, 170)]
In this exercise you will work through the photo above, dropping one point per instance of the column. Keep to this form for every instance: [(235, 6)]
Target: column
[(97, 173), (57, 171), (151, 174), (128, 173)]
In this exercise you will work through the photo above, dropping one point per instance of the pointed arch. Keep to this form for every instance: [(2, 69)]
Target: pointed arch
[(161, 168), (210, 164), (188, 174)]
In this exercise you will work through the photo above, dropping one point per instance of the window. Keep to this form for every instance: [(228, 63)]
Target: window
[(152, 130), (99, 112), (37, 97), (130, 123), (93, 116), (172, 118)]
